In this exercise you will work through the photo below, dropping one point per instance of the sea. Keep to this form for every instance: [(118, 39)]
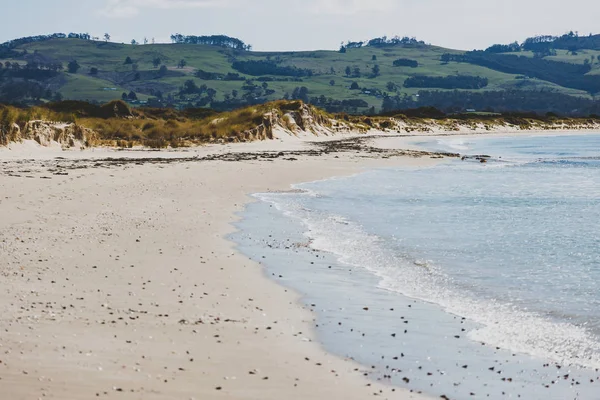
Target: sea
[(473, 278)]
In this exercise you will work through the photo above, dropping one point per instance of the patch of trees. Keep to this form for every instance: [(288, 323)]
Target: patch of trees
[(11, 44), (190, 87), (372, 92), (300, 93), (114, 109), (382, 42), (131, 96), (538, 101), (570, 41), (352, 72), (7, 48), (446, 82), (271, 79), (235, 103), (73, 67), (538, 43), (574, 42), (504, 48), (215, 76), (252, 90), (354, 45), (24, 91), (202, 95), (395, 41), (562, 73), (264, 67), (545, 45), (375, 71), (214, 40), (350, 106), (252, 94), (32, 70), (544, 53), (405, 62), (82, 36)]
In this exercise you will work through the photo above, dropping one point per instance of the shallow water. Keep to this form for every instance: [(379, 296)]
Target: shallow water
[(499, 263)]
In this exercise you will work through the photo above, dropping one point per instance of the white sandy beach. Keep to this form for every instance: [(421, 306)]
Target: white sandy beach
[(118, 282)]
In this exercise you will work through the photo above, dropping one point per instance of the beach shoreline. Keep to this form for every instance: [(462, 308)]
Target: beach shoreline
[(119, 281), (120, 277)]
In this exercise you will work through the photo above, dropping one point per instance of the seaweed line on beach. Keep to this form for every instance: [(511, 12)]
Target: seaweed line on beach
[(356, 146)]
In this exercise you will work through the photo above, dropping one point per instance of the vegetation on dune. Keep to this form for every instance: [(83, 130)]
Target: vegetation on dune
[(116, 124)]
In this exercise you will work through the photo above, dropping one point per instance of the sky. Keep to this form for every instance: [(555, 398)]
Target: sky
[(305, 24)]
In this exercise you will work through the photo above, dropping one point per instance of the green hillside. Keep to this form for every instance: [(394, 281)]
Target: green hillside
[(197, 75)]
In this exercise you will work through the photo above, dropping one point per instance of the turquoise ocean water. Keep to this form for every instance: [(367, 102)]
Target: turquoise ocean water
[(501, 260)]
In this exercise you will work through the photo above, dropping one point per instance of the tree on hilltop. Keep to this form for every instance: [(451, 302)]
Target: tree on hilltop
[(106, 37)]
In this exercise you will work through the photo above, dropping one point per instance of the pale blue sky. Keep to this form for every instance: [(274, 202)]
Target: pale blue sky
[(304, 24)]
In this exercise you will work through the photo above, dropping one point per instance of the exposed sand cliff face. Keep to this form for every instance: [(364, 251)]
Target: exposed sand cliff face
[(50, 134), (308, 122), (305, 121), (296, 121)]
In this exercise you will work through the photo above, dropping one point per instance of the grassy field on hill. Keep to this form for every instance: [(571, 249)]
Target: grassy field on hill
[(356, 80)]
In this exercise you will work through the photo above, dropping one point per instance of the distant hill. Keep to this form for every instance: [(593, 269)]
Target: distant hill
[(380, 74)]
